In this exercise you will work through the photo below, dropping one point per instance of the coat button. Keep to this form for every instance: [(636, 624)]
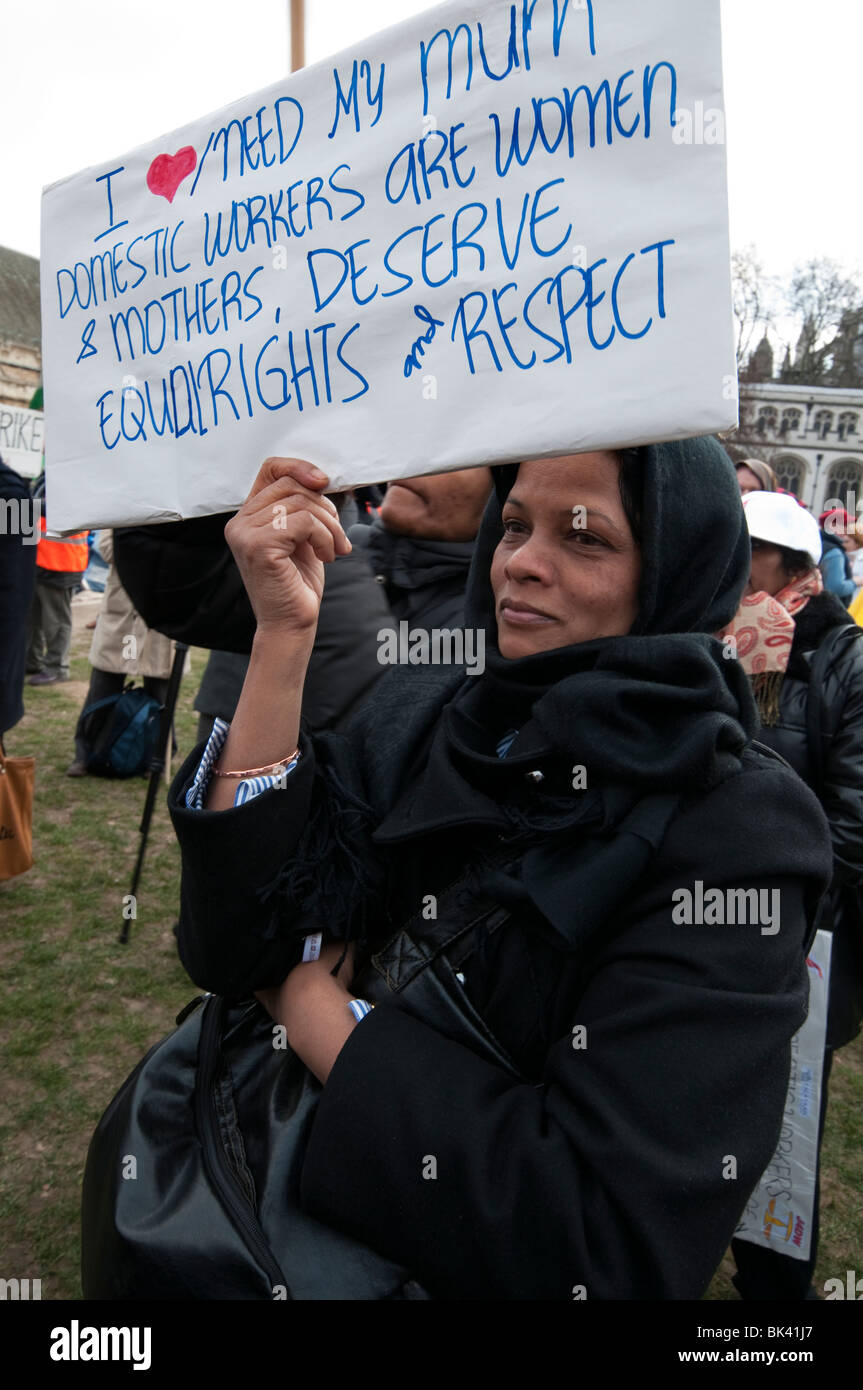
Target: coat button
[(535, 776), (380, 579)]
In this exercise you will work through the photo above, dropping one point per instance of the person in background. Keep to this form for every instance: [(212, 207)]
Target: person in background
[(783, 619), (17, 583), (753, 475), (421, 544), (60, 565), (96, 572), (343, 667), (368, 500), (835, 564), (219, 690), (123, 647), (854, 551)]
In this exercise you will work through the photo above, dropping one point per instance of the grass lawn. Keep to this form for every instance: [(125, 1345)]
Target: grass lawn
[(78, 1010)]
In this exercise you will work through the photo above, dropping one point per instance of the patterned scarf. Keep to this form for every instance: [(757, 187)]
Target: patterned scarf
[(763, 630)]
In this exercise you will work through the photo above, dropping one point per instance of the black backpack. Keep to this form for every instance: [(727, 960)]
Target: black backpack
[(123, 733)]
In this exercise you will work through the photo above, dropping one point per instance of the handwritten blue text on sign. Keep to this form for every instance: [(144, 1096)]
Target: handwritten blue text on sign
[(478, 238)]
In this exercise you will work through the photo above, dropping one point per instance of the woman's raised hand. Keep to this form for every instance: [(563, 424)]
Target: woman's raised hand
[(284, 533)]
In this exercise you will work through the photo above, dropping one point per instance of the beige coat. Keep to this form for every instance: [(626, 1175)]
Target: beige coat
[(122, 642)]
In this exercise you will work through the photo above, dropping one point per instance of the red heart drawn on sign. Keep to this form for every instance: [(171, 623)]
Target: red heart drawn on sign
[(167, 171)]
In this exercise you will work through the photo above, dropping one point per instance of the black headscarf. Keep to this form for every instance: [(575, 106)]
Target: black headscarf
[(651, 717), (662, 707)]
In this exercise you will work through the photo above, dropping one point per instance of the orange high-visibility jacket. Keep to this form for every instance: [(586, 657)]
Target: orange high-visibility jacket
[(67, 555)]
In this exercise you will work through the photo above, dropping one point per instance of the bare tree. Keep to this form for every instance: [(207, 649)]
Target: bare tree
[(753, 299), (821, 300)]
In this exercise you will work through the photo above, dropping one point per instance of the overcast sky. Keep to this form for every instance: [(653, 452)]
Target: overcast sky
[(85, 80)]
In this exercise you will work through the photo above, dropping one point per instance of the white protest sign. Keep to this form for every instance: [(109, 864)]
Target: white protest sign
[(779, 1214), (21, 439), (489, 233)]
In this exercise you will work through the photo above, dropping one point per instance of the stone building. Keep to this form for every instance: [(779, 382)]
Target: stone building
[(20, 328), (811, 436)]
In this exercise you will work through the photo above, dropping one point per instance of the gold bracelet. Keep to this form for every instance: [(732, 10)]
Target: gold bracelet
[(274, 770)]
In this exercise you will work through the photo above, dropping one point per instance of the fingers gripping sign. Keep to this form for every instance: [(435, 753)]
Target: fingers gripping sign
[(281, 538)]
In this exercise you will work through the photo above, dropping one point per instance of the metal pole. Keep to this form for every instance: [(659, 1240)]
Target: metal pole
[(298, 35), (157, 764)]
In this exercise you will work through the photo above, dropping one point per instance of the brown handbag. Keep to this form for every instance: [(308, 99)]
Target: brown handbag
[(17, 776)]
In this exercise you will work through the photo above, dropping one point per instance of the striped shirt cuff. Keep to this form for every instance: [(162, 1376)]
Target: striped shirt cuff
[(251, 787), (247, 790), (506, 743)]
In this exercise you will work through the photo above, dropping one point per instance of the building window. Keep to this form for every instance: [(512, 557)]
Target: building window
[(823, 423), (845, 484), (789, 473), (768, 419), (847, 424), (791, 421)]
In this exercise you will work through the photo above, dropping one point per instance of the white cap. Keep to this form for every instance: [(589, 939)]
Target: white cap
[(778, 518)]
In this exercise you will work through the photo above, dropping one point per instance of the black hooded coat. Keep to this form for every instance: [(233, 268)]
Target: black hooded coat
[(424, 581), (648, 1053), (17, 582)]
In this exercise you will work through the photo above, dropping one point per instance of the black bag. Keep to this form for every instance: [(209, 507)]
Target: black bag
[(192, 1177), (842, 904), (122, 732)]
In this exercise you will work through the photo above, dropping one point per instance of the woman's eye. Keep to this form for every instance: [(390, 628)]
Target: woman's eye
[(511, 527), (586, 538)]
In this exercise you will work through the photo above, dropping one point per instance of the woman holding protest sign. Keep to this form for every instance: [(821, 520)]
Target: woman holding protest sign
[(580, 1096)]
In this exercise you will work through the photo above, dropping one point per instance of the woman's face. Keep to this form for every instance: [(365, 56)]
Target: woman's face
[(747, 482), (768, 569), (567, 569)]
